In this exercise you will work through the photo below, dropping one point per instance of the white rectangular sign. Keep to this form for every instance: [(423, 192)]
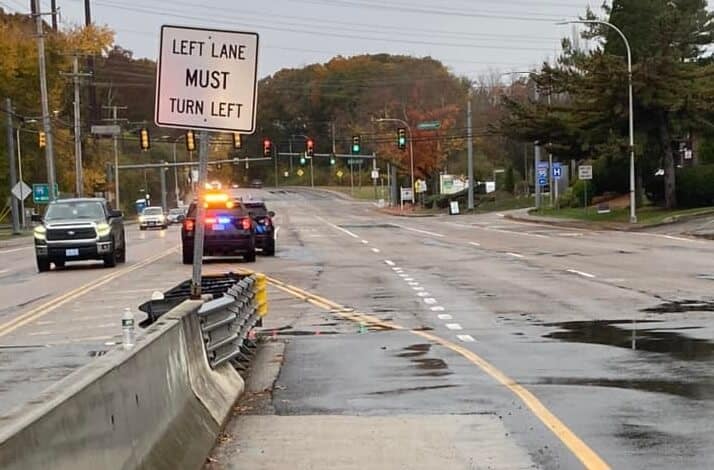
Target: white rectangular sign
[(585, 172), (207, 79), (407, 194)]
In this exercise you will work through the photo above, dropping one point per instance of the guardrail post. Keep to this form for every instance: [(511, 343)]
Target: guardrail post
[(261, 295)]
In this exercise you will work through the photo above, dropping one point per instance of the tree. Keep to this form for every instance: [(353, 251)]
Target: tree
[(509, 181)]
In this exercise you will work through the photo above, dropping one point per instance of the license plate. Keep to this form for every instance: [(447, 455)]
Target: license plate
[(72, 252), (218, 227)]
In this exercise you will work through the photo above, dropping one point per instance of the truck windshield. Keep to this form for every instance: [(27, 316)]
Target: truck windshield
[(153, 211), (75, 210)]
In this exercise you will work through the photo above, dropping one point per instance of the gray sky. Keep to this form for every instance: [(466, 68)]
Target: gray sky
[(470, 36)]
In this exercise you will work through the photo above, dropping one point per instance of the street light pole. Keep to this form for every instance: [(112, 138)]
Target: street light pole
[(470, 163), (633, 209), (411, 144)]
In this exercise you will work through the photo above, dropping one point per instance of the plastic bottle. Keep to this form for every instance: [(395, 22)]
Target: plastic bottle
[(127, 326)]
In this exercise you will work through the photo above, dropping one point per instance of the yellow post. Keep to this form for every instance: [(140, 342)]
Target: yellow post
[(261, 294)]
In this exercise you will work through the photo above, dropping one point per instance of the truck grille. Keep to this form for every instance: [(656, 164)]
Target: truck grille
[(79, 233)]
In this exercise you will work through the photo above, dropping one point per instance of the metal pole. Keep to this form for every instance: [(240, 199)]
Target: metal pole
[(312, 172), (116, 163), (374, 180), (78, 176), (536, 162), (275, 157), (352, 179), (290, 146), (19, 174), (162, 176), (46, 123), (176, 183), (411, 154), (200, 216), (11, 162), (470, 148), (550, 179)]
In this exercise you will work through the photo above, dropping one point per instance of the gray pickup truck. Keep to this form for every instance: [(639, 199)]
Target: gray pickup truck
[(77, 230)]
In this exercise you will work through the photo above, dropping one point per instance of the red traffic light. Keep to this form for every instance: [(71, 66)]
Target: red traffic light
[(267, 148), (310, 147)]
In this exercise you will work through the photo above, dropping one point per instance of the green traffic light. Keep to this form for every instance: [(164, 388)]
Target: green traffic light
[(302, 160), (355, 148), (332, 161)]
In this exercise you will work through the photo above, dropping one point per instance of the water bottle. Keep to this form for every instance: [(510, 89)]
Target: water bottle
[(127, 326)]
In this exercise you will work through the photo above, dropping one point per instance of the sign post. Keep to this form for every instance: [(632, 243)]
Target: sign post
[(585, 173), (206, 80), (557, 175)]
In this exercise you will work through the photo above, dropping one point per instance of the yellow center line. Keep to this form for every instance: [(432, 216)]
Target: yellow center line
[(44, 309), (589, 458)]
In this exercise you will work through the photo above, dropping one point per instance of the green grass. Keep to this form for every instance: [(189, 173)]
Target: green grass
[(365, 193), (7, 234), (649, 215), (506, 203)]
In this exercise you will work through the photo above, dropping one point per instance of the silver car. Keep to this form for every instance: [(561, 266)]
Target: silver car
[(152, 217)]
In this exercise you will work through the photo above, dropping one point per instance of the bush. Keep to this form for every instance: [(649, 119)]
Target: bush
[(695, 187)]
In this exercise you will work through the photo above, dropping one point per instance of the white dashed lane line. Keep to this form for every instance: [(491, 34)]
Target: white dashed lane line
[(425, 232), (454, 326), (417, 288), (466, 338), (423, 294), (445, 316), (336, 227), (404, 275), (390, 262), (581, 273), (365, 242), (430, 300), (474, 244), (437, 308), (375, 250), (515, 255)]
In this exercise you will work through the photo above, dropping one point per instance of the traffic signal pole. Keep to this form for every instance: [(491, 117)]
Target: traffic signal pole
[(13, 170), (200, 217)]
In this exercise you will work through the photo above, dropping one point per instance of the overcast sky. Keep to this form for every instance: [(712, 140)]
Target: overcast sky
[(470, 36)]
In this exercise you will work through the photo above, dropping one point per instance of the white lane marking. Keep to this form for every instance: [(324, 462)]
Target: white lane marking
[(501, 215), (466, 338), (353, 235), (581, 273), (423, 294), (376, 250), (454, 326), (13, 250), (474, 244), (412, 283), (3, 271), (425, 232), (390, 262), (397, 269), (404, 275), (430, 300), (408, 279), (418, 287), (515, 255), (365, 242), (524, 234), (668, 237), (570, 234), (437, 308), (445, 316)]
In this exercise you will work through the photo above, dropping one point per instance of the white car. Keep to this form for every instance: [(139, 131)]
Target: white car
[(152, 217), (176, 215)]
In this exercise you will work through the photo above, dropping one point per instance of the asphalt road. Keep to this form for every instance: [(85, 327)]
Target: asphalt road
[(501, 345)]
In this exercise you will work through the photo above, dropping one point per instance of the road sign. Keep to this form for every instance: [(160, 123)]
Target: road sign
[(585, 172), (420, 186), (340, 174), (300, 172), (21, 190), (355, 161), (429, 126), (557, 171), (41, 193), (375, 174), (106, 130), (542, 173), (407, 194), (207, 79), (286, 174)]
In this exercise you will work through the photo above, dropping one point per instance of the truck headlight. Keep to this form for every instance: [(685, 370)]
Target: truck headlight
[(142, 219), (40, 232), (103, 229)]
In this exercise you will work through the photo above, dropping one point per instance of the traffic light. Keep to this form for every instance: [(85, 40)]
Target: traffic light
[(144, 139), (42, 139), (237, 141), (310, 148), (267, 148), (356, 144), (302, 159), (332, 159), (401, 138), (190, 141)]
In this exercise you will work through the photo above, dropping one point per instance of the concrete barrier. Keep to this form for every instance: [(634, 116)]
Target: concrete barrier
[(158, 406)]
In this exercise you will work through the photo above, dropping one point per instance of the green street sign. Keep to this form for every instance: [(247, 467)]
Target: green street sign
[(41, 193), (355, 161), (429, 125)]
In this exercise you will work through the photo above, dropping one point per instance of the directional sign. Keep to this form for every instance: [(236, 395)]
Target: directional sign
[(106, 130), (557, 171), (355, 161), (542, 173), (41, 193), (585, 172), (207, 79), (429, 126), (21, 190)]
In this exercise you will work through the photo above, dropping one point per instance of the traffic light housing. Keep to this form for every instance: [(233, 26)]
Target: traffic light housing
[(332, 159), (356, 145), (144, 141), (267, 148), (302, 159), (190, 141), (42, 139), (401, 138), (237, 141), (310, 148)]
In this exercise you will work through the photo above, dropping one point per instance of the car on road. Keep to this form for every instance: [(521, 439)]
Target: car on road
[(264, 228), (78, 230), (228, 228), (152, 217), (176, 215), (256, 183)]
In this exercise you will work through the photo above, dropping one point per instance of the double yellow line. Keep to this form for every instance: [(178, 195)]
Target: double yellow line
[(580, 449), (44, 309)]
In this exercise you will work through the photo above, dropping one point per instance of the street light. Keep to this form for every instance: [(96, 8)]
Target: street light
[(411, 143), (633, 209)]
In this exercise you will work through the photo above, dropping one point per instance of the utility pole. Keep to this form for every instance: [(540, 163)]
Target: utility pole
[(115, 120), (46, 123), (200, 217), (78, 167), (13, 170), (536, 162), (162, 174), (470, 147), (53, 5)]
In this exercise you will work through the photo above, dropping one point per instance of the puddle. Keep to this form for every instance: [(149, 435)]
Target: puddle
[(682, 306), (691, 390), (430, 363), (419, 347), (628, 335), (399, 391)]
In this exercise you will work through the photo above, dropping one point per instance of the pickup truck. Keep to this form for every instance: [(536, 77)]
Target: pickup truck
[(77, 230)]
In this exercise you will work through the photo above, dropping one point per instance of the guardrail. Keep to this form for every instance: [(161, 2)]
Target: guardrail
[(227, 322)]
